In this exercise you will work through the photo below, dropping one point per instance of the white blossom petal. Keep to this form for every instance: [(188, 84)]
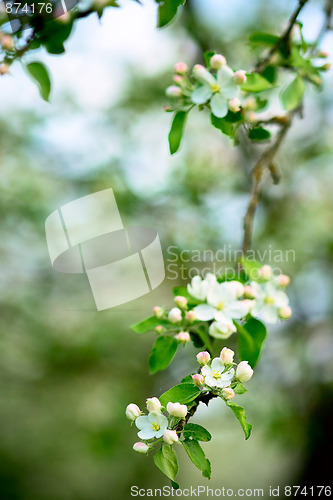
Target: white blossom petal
[(204, 312), (219, 105), (217, 364), (147, 433), (201, 95)]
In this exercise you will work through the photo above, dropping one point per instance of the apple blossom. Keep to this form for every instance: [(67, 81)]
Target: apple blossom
[(268, 302), (265, 272), (181, 302), (228, 393), (152, 425), (215, 375), (177, 410), (217, 61), (158, 311), (240, 77), (153, 404), (285, 312), (4, 68), (170, 437), (183, 337), (177, 79), (181, 68), (159, 329), (174, 92), (222, 329), (7, 42), (133, 412), (249, 292), (199, 287), (234, 105), (227, 356), (244, 371), (198, 379), (283, 280), (140, 447), (190, 316), (203, 357), (175, 315)]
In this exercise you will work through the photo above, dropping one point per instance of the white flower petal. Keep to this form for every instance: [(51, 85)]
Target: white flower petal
[(269, 314), (219, 105), (142, 422), (201, 95), (204, 312), (211, 381), (238, 309), (147, 433), (217, 364), (203, 76), (206, 371)]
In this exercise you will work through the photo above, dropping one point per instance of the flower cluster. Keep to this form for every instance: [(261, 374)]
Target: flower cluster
[(217, 86)]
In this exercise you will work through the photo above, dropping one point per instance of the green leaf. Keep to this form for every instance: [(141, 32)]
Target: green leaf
[(251, 337), (292, 96), (177, 130), (182, 290), (167, 10), (54, 34), (162, 353), (197, 342), (166, 460), (223, 125), (197, 432), (264, 38), (259, 134), (256, 83), (239, 388), (270, 73), (241, 417), (197, 456), (148, 324), (251, 267), (208, 55), (40, 76), (182, 393)]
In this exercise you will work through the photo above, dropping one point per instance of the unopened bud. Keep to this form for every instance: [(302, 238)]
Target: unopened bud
[(170, 437), (265, 273), (183, 337), (133, 412), (159, 329), (174, 92), (234, 105), (325, 67), (251, 117), (4, 68), (249, 292), (140, 447), (228, 393), (283, 280), (181, 301), (227, 356), (153, 404), (240, 77), (244, 371), (177, 78), (177, 410), (285, 312), (190, 316), (7, 42), (198, 70), (217, 61), (175, 315), (181, 68), (198, 380), (203, 357), (158, 311)]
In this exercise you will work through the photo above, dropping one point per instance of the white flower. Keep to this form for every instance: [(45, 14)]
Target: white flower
[(153, 425), (170, 437), (268, 302), (223, 303), (133, 412), (220, 89), (140, 447), (215, 375), (244, 371), (222, 329), (177, 410), (199, 287), (153, 404), (175, 315)]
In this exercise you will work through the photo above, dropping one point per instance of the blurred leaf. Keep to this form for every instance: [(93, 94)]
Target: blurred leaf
[(250, 267), (223, 125), (148, 324), (53, 36), (182, 393), (197, 456), (197, 341), (40, 76), (241, 417), (162, 353), (182, 290), (177, 130), (292, 96), (167, 9), (256, 83), (208, 55), (259, 134), (233, 117), (251, 337), (270, 73), (197, 432), (166, 460), (263, 38), (205, 337)]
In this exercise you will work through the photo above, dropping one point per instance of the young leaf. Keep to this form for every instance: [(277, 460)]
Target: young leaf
[(197, 456), (264, 38), (223, 125), (241, 417), (167, 10), (182, 393), (166, 460), (259, 134), (177, 130), (251, 267), (197, 432), (255, 83), (40, 76), (207, 56), (239, 388), (162, 353), (251, 337), (148, 324), (292, 96)]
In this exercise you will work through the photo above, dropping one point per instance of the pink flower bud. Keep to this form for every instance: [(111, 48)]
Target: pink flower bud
[(217, 61), (190, 316), (175, 315), (265, 273), (7, 42), (178, 79), (244, 371), (249, 292), (251, 117), (203, 358), (181, 302), (183, 337), (285, 312), (170, 437), (158, 311), (4, 68), (174, 92), (181, 68), (240, 77), (153, 404), (227, 356), (228, 393), (283, 280), (140, 447), (159, 329), (177, 410), (234, 105), (133, 412), (198, 70), (198, 380)]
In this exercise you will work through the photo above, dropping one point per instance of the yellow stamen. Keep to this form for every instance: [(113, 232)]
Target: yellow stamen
[(215, 87), (216, 374), (220, 305), (156, 427), (269, 300)]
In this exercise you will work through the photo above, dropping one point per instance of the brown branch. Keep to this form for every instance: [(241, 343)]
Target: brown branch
[(205, 398)]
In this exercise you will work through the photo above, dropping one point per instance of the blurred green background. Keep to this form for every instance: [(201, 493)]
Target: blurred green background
[(68, 371)]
